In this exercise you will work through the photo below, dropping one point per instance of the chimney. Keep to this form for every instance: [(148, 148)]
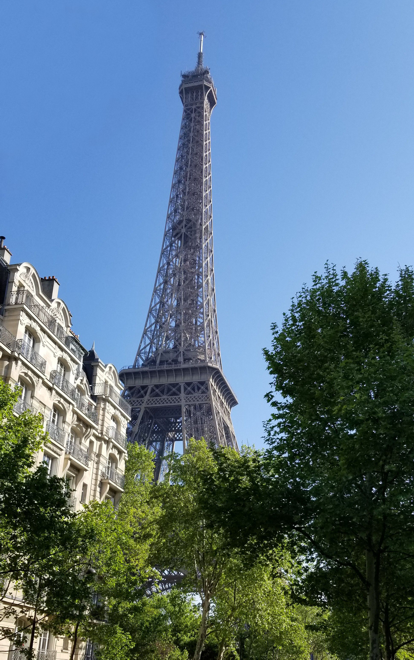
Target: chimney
[(50, 287), (5, 253)]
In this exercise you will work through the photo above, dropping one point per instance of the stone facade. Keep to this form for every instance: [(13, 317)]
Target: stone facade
[(76, 393)]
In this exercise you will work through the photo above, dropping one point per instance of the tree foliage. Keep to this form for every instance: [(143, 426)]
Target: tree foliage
[(338, 477)]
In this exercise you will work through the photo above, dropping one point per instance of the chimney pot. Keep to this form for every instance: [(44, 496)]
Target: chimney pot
[(50, 286), (5, 253)]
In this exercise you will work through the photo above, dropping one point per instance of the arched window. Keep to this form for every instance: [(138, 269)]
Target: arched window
[(28, 343), (26, 395), (57, 417), (49, 462), (111, 465), (61, 368), (28, 339)]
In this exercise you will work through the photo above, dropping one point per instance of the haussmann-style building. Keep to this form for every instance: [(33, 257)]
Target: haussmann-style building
[(77, 395)]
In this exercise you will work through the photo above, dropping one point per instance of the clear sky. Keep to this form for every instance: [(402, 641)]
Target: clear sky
[(312, 147)]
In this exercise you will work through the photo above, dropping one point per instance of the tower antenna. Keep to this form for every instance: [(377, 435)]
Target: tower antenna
[(200, 51)]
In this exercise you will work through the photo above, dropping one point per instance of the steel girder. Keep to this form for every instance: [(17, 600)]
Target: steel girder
[(176, 385)]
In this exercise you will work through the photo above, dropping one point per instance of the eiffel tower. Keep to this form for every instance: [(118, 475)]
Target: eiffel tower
[(176, 386)]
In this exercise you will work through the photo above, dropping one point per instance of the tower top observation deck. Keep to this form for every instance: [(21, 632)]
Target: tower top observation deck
[(198, 78)]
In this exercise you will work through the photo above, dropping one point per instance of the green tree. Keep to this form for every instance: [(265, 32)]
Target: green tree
[(233, 597), (35, 519), (338, 478), (184, 542), (253, 614), (105, 599)]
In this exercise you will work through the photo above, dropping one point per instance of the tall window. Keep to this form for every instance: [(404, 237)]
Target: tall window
[(111, 465), (48, 461), (60, 368), (84, 493), (44, 640), (28, 339), (28, 343), (55, 417), (23, 395)]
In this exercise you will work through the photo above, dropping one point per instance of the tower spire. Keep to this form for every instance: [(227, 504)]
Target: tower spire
[(176, 386), (200, 50)]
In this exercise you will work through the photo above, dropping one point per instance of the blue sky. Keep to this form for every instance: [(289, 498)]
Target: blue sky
[(312, 147)]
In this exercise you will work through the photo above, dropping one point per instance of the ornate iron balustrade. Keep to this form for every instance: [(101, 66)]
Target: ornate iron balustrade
[(6, 338), (81, 402), (46, 655), (21, 406), (63, 384), (73, 347), (24, 297), (105, 389), (113, 475), (34, 358), (119, 438), (16, 654), (88, 409), (77, 452), (56, 433)]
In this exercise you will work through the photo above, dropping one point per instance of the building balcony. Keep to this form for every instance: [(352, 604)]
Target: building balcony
[(21, 406), (46, 655), (24, 297), (76, 452), (16, 654), (73, 346), (88, 409), (30, 354), (56, 433), (7, 339), (105, 389), (63, 384), (114, 476), (81, 402), (117, 437)]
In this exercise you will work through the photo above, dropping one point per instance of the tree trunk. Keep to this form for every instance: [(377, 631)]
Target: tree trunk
[(222, 650), (203, 629), (33, 631), (75, 641), (389, 645), (372, 573)]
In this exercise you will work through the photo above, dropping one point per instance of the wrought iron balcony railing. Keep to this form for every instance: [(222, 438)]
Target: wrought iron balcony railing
[(88, 409), (16, 654), (24, 297), (81, 402), (30, 354), (6, 338), (105, 389), (113, 475), (118, 437), (56, 433), (46, 655), (73, 347), (77, 452), (21, 406), (63, 384)]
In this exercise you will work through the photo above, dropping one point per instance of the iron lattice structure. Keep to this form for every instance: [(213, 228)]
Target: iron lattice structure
[(176, 385)]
